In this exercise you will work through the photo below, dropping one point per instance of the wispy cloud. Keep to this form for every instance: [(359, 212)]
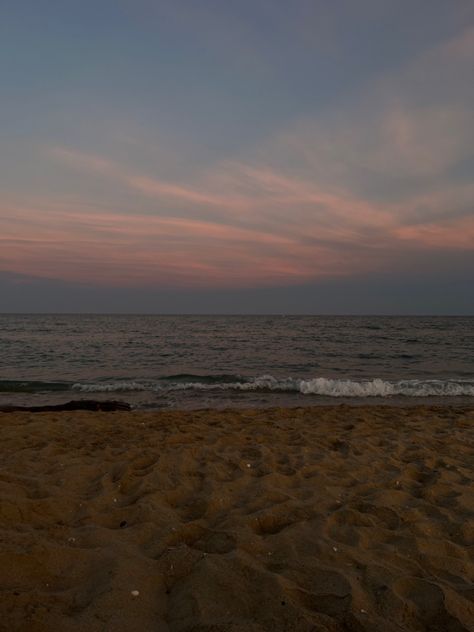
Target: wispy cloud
[(346, 191), (457, 234), (106, 247)]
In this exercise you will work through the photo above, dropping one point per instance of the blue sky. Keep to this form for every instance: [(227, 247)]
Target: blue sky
[(199, 156)]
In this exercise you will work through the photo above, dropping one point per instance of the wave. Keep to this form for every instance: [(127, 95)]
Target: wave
[(267, 383), (319, 386), (32, 386)]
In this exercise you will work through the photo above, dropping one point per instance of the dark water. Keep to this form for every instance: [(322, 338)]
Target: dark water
[(199, 361)]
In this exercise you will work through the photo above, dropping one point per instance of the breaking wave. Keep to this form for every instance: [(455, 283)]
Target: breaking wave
[(267, 383)]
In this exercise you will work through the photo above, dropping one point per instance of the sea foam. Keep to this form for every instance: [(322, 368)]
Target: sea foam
[(321, 386)]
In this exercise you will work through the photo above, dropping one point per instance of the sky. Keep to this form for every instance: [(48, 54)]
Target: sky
[(260, 156)]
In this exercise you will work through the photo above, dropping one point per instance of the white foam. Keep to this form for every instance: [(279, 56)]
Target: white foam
[(382, 388), (110, 387), (346, 388), (317, 386)]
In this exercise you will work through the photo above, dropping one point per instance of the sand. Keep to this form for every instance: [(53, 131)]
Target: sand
[(315, 519)]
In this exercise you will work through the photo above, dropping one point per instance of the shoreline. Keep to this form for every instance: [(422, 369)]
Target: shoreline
[(320, 518), (278, 401)]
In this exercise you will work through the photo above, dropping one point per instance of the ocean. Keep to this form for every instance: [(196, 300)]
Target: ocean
[(183, 362)]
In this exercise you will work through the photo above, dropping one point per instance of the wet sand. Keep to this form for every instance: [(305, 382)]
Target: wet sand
[(317, 519)]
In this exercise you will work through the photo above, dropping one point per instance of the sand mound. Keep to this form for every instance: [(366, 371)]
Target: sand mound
[(320, 519)]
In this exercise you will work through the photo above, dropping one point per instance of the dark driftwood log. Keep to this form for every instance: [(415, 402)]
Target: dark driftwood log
[(79, 404)]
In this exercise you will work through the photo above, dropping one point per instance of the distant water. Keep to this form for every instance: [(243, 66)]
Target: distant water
[(220, 361)]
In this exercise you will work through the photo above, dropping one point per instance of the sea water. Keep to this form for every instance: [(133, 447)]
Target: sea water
[(219, 361)]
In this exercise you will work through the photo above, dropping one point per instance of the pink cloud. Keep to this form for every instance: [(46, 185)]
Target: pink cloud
[(456, 234), (248, 194), (150, 187), (250, 222), (119, 249), (157, 188)]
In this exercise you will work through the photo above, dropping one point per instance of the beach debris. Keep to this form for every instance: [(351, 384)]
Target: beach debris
[(115, 500), (123, 524), (363, 611), (249, 465), (71, 539), (334, 548), (135, 593)]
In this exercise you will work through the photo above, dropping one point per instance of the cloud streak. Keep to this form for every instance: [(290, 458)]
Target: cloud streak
[(112, 248), (349, 191)]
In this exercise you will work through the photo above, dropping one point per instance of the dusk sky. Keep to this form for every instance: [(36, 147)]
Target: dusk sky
[(253, 156)]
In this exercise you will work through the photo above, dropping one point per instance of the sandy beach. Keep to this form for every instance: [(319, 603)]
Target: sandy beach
[(307, 519)]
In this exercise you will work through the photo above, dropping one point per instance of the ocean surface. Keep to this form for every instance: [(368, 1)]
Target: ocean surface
[(222, 361)]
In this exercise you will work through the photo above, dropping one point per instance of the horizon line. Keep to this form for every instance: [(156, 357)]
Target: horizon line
[(252, 315)]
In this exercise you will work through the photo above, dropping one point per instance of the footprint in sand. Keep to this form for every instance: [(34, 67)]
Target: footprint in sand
[(425, 602)]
